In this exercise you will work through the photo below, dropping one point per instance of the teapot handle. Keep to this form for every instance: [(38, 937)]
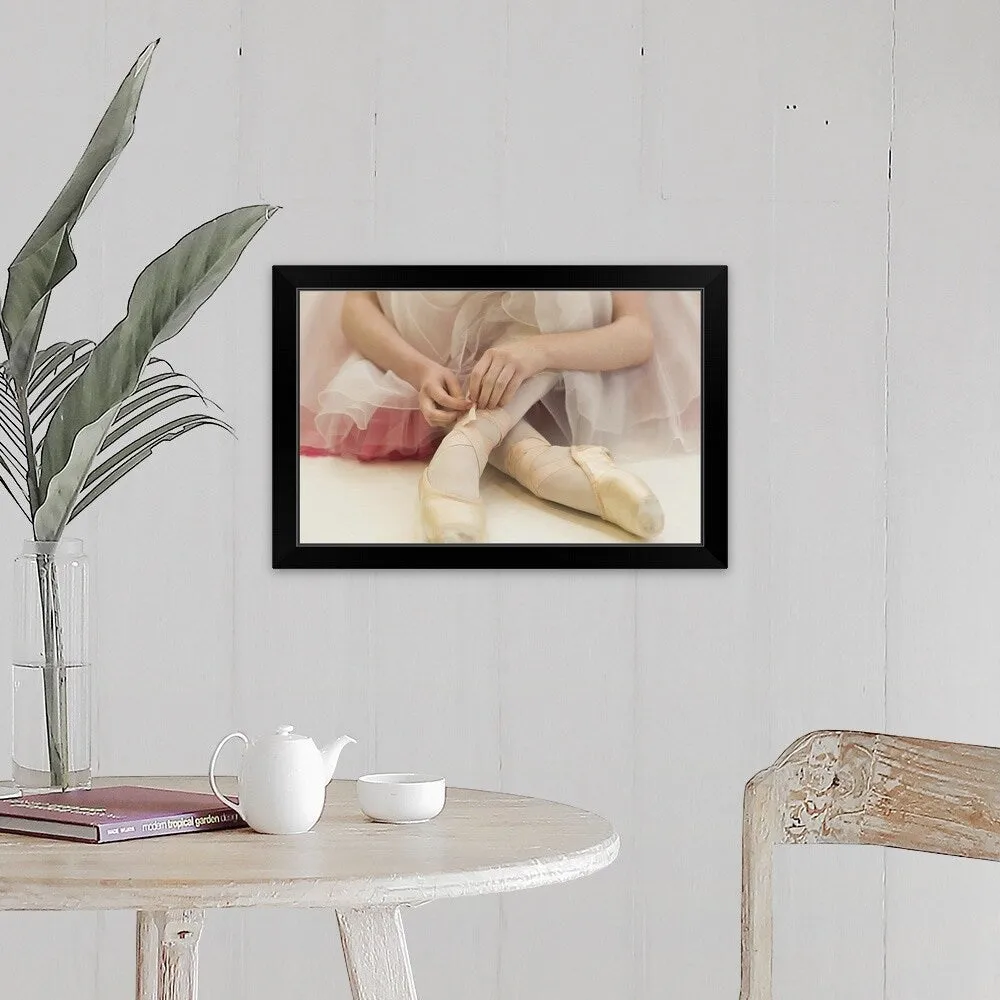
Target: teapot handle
[(211, 774)]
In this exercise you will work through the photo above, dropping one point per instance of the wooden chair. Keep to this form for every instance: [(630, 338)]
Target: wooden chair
[(834, 787)]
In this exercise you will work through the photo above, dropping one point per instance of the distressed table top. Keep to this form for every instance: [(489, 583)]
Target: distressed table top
[(483, 842)]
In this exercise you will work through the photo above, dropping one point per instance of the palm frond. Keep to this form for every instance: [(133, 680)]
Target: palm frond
[(47, 388), (154, 386), (10, 419), (15, 489), (150, 405), (47, 360), (117, 464), (13, 464)]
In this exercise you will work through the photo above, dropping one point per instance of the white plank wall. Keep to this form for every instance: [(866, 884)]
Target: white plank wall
[(944, 543), (863, 437), (827, 461)]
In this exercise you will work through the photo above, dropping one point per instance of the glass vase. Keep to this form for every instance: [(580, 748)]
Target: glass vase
[(51, 667)]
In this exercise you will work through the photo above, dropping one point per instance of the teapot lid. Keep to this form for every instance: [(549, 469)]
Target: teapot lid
[(287, 733)]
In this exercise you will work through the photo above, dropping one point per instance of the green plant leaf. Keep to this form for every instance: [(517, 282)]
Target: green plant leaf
[(48, 255), (165, 296), (11, 466), (51, 393), (47, 361), (12, 452), (161, 374), (10, 417), (15, 489), (135, 452), (151, 397), (120, 428), (51, 376), (10, 422), (13, 463), (172, 382), (43, 356), (13, 439)]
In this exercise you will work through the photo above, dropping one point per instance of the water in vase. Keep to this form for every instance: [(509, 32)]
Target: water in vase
[(30, 749)]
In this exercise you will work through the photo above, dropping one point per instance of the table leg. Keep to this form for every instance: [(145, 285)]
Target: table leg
[(167, 954), (378, 965), (147, 955)]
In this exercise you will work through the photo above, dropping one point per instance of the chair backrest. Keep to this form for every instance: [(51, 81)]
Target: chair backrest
[(838, 787)]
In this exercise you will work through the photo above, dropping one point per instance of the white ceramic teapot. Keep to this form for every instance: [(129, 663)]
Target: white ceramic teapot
[(282, 780)]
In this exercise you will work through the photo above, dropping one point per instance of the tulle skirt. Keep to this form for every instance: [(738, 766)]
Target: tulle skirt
[(350, 407)]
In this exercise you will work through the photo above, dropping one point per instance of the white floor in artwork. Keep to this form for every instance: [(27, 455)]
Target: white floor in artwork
[(342, 500)]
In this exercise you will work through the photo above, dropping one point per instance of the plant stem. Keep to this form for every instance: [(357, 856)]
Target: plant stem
[(54, 679)]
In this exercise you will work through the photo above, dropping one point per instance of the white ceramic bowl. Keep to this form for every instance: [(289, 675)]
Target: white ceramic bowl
[(401, 798)]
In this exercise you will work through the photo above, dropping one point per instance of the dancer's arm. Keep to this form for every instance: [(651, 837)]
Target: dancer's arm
[(624, 342), (368, 330), (370, 333)]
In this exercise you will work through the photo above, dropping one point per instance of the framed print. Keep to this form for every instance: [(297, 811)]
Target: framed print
[(499, 416)]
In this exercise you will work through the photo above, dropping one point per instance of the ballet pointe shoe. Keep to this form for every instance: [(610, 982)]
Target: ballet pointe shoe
[(624, 499), (449, 518), (597, 487)]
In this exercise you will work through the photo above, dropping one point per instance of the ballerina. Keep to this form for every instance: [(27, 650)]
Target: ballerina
[(551, 380)]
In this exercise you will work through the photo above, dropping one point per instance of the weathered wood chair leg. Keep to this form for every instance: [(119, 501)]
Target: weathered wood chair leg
[(758, 852), (378, 965), (147, 955), (166, 966)]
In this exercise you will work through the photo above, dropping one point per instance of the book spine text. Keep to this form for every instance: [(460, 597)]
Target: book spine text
[(158, 826)]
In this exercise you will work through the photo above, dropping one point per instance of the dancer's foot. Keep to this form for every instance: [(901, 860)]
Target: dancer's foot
[(624, 498), (449, 518), (584, 478), (450, 506)]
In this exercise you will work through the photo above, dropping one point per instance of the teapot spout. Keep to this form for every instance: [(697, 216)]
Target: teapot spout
[(331, 754)]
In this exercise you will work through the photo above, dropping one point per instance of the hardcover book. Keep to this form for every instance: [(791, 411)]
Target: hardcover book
[(119, 812)]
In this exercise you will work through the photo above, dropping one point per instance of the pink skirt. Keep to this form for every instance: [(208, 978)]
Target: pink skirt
[(389, 435), (349, 407)]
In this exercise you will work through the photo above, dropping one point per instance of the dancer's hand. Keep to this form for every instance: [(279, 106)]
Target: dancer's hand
[(440, 397), (501, 370)]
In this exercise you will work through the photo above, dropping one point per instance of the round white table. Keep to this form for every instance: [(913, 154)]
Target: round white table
[(483, 842)]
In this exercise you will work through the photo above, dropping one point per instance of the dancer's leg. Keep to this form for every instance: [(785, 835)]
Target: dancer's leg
[(547, 470), (582, 478), (461, 457), (449, 489)]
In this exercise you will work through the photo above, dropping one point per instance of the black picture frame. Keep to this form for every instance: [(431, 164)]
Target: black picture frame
[(711, 552)]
